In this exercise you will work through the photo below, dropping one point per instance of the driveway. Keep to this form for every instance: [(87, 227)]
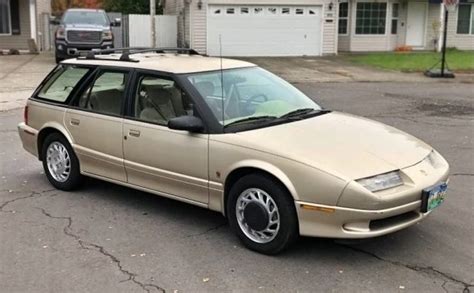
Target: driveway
[(20, 75), (107, 238), (337, 69)]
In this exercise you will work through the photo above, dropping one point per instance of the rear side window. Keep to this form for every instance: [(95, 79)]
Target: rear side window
[(106, 94), (60, 85)]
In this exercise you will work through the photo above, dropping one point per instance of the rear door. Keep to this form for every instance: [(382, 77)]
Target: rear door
[(95, 123), (174, 163)]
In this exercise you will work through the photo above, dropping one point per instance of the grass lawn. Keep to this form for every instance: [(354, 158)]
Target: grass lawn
[(416, 61)]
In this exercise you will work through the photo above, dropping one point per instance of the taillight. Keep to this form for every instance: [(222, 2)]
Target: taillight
[(25, 115)]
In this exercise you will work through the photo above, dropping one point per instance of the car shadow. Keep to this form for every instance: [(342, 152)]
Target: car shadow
[(201, 219)]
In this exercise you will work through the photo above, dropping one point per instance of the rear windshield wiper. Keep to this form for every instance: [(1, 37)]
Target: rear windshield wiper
[(251, 119), (302, 112)]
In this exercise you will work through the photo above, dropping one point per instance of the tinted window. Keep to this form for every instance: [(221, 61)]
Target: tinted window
[(60, 85), (157, 100), (106, 94)]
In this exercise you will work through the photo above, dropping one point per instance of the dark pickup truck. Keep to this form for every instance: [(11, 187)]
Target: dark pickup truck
[(82, 30)]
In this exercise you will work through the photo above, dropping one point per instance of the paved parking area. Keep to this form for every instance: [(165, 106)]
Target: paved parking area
[(107, 238)]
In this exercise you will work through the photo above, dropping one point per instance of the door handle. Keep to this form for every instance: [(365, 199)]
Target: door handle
[(133, 132), (75, 122)]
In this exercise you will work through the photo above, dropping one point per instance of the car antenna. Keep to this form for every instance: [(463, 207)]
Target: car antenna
[(222, 84)]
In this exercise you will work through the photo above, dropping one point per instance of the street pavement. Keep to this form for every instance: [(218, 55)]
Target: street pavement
[(107, 238)]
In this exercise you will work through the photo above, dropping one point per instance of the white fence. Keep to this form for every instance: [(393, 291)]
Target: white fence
[(139, 30)]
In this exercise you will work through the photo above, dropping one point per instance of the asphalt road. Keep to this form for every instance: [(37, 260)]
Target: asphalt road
[(106, 238)]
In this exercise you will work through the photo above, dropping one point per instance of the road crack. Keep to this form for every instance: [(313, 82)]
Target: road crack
[(430, 271), (462, 174), (131, 277), (207, 231), (31, 195)]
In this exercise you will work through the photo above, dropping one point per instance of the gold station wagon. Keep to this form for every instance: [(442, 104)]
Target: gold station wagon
[(229, 136)]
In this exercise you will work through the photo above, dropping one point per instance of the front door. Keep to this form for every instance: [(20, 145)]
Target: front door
[(174, 163), (416, 21), (95, 123)]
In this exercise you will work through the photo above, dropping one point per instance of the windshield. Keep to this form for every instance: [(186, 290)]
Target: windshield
[(249, 93), (85, 17)]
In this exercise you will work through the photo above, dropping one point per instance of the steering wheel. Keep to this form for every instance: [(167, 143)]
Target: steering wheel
[(249, 104)]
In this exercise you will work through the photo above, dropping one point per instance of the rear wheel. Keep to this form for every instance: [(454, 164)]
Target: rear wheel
[(60, 163), (262, 214)]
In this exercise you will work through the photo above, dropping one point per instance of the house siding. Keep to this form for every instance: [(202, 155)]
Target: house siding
[(461, 42), (20, 41), (367, 43)]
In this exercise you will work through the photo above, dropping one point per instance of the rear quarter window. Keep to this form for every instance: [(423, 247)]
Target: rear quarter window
[(61, 83)]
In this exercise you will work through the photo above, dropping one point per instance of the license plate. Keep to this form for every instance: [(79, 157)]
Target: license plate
[(433, 197)]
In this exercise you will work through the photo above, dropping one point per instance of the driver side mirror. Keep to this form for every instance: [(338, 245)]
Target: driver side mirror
[(54, 21), (117, 22), (186, 123)]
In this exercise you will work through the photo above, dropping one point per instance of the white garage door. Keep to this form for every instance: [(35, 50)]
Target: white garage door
[(264, 30)]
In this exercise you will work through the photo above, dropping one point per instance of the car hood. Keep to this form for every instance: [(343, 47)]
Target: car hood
[(347, 146)]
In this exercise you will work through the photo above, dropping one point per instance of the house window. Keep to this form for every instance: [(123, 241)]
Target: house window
[(394, 18), (343, 17), (465, 19), (230, 10), (244, 10), (272, 10), (299, 11), (370, 18), (312, 12), (217, 11), (5, 17), (258, 10), (285, 11)]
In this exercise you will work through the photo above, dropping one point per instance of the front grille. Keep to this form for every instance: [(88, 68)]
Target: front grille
[(84, 36), (393, 221)]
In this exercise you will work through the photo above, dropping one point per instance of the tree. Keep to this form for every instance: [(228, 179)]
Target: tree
[(130, 7)]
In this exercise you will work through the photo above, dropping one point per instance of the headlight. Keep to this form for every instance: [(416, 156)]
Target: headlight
[(434, 160), (60, 33), (382, 181), (107, 35)]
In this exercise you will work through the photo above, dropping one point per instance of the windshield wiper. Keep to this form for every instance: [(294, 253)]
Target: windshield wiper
[(251, 119), (302, 112)]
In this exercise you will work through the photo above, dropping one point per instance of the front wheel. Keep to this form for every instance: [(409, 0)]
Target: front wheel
[(60, 163), (262, 214)]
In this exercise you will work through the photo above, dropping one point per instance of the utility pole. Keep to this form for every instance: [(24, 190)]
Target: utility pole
[(152, 21)]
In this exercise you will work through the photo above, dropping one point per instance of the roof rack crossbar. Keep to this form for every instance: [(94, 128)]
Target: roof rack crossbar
[(126, 52)]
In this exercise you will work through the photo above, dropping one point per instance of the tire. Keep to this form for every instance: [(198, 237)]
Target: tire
[(67, 176), (251, 218)]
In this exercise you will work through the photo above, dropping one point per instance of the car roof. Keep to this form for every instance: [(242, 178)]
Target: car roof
[(164, 62)]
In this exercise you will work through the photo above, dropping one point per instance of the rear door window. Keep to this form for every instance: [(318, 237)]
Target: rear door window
[(106, 94), (63, 81)]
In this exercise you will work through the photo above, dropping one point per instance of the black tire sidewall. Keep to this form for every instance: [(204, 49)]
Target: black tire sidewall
[(75, 177), (288, 231)]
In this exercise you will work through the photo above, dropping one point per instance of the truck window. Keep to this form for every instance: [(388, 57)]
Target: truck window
[(60, 85)]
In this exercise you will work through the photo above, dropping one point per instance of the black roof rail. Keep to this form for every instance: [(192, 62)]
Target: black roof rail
[(126, 52)]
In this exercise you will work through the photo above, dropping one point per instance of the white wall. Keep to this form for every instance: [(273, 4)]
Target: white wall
[(140, 30)]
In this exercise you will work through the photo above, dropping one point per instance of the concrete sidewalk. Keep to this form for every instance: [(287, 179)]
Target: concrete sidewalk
[(19, 77)]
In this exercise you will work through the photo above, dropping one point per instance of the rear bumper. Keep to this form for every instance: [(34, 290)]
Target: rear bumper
[(29, 138), (340, 222)]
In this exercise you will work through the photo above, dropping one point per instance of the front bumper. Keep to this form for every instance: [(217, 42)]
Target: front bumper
[(29, 138), (69, 50), (363, 214), (339, 222)]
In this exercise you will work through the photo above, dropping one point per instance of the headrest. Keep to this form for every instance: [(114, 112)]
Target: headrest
[(160, 96)]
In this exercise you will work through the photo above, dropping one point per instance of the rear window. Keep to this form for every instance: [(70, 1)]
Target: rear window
[(60, 85)]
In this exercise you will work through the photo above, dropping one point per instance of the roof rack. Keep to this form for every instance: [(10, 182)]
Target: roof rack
[(126, 52)]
